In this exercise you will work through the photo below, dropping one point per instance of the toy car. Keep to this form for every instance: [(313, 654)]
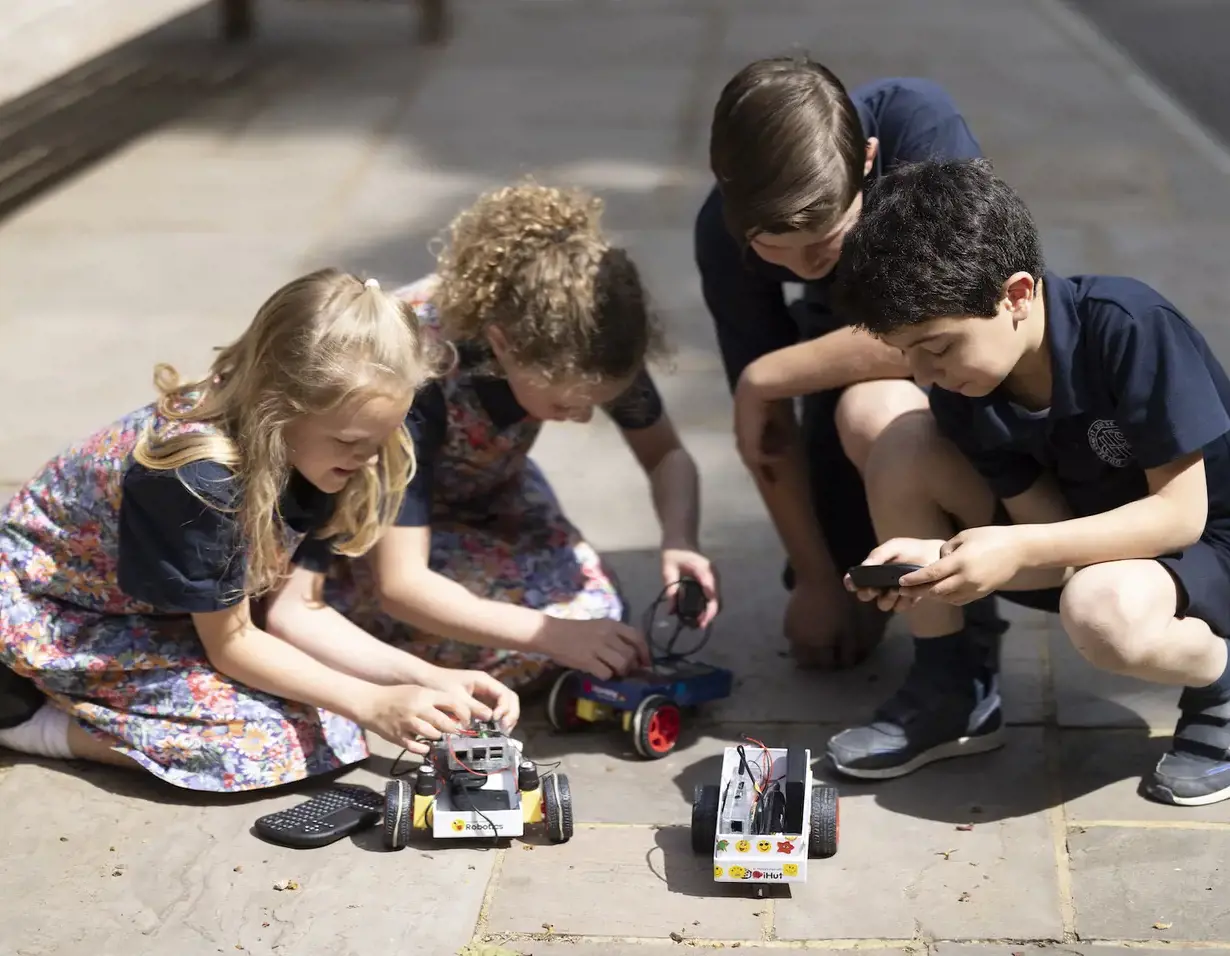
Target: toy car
[(766, 818), (649, 703), (477, 784)]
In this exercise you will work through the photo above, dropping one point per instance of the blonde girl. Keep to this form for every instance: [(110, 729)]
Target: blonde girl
[(160, 581), (548, 321)]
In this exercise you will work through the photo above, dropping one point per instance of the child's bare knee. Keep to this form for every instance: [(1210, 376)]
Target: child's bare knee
[(867, 409), (905, 451), (1116, 612)]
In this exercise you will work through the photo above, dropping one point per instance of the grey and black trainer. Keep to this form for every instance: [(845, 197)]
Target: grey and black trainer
[(1196, 771)]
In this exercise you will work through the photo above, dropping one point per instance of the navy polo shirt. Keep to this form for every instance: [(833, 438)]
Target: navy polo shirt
[(640, 406), (913, 120), (1135, 387)]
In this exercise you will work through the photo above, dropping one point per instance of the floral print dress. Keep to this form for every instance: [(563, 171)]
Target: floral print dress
[(102, 562), (496, 525)]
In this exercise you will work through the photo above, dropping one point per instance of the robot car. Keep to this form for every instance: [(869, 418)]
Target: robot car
[(476, 784), (648, 703), (766, 818)]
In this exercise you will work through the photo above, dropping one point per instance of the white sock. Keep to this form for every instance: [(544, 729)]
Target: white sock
[(43, 735)]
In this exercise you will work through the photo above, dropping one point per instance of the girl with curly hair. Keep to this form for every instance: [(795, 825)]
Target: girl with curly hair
[(548, 321), (161, 581)]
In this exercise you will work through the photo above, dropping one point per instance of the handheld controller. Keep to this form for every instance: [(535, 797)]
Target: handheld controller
[(339, 811), (883, 577)]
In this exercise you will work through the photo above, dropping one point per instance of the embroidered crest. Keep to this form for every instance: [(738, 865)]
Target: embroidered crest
[(1109, 443)]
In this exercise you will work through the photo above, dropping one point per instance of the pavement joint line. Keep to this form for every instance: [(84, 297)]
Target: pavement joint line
[(484, 907), (768, 918), (1079, 825), (1118, 62), (1056, 814), (702, 942)]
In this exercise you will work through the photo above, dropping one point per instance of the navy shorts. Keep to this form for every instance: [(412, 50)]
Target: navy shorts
[(1202, 573)]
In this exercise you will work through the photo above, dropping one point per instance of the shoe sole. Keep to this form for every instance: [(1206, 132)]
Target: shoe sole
[(1164, 795), (961, 747)]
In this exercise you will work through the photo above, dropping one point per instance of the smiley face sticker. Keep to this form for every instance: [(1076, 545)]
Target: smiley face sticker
[(717, 872), (764, 846), (790, 869), (738, 873), (743, 846), (458, 825)]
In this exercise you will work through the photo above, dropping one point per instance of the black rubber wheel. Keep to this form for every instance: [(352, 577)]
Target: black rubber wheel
[(825, 822), (656, 724), (557, 807), (398, 814), (562, 702), (704, 818)]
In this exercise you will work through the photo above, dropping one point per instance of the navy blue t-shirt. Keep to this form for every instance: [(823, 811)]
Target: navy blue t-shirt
[(914, 120), (1135, 387), (640, 406), (179, 541)]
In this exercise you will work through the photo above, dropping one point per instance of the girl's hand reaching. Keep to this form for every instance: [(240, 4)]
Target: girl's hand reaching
[(403, 713), (506, 705)]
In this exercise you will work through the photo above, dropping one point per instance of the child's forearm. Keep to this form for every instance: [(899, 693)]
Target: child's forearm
[(440, 606), (264, 662), (323, 633), (1146, 528), (675, 486)]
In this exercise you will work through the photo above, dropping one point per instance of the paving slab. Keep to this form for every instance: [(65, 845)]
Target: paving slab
[(1088, 697), (1149, 884), (155, 870)]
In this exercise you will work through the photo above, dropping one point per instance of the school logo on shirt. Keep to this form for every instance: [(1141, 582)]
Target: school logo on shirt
[(1108, 443)]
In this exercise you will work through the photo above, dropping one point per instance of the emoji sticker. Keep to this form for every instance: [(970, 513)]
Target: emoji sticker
[(717, 872), (790, 869), (738, 873), (723, 846), (764, 846), (743, 846), (458, 825), (784, 846)]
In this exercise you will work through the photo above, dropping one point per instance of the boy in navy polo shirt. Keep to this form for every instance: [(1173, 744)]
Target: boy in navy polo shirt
[(792, 151), (1078, 433)]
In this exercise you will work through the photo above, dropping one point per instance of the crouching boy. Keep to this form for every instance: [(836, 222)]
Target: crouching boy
[(1076, 458)]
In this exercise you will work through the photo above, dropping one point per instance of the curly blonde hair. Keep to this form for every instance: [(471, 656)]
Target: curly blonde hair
[(532, 261), (318, 342)]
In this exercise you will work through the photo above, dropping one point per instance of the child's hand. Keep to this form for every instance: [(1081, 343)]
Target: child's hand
[(604, 648), (479, 684), (402, 713), (920, 551), (970, 566), (679, 563)]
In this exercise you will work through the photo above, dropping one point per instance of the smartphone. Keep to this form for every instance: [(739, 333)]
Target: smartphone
[(879, 576)]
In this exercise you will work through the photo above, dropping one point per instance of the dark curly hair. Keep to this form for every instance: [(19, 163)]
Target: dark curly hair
[(935, 239)]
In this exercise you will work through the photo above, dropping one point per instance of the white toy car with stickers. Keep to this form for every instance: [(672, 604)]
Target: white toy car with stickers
[(766, 818), (476, 784)]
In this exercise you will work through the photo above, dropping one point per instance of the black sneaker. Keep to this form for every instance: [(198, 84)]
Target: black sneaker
[(20, 699), (1196, 771), (936, 714)]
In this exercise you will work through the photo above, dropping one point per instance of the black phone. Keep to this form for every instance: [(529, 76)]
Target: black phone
[(879, 576)]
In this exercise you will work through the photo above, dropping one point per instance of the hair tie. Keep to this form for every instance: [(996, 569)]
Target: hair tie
[(371, 283)]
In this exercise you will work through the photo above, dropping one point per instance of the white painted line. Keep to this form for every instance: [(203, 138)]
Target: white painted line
[(1119, 62)]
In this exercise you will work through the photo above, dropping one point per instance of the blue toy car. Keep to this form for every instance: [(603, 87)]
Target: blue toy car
[(648, 703)]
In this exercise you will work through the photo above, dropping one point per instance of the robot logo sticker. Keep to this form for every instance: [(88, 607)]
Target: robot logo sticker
[(1109, 443), (790, 869), (743, 846), (764, 846), (785, 846), (717, 872), (458, 825)]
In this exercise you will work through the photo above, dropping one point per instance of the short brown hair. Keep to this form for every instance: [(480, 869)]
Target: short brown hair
[(787, 147), (534, 262)]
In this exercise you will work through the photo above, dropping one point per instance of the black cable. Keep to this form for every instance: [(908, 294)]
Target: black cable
[(669, 655)]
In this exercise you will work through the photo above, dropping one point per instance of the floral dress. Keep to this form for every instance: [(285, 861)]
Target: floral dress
[(496, 525), (102, 562)]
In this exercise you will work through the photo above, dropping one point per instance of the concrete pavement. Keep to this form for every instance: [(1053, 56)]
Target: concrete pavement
[(349, 145)]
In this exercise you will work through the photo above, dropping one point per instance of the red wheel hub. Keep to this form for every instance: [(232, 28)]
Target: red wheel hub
[(663, 731)]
